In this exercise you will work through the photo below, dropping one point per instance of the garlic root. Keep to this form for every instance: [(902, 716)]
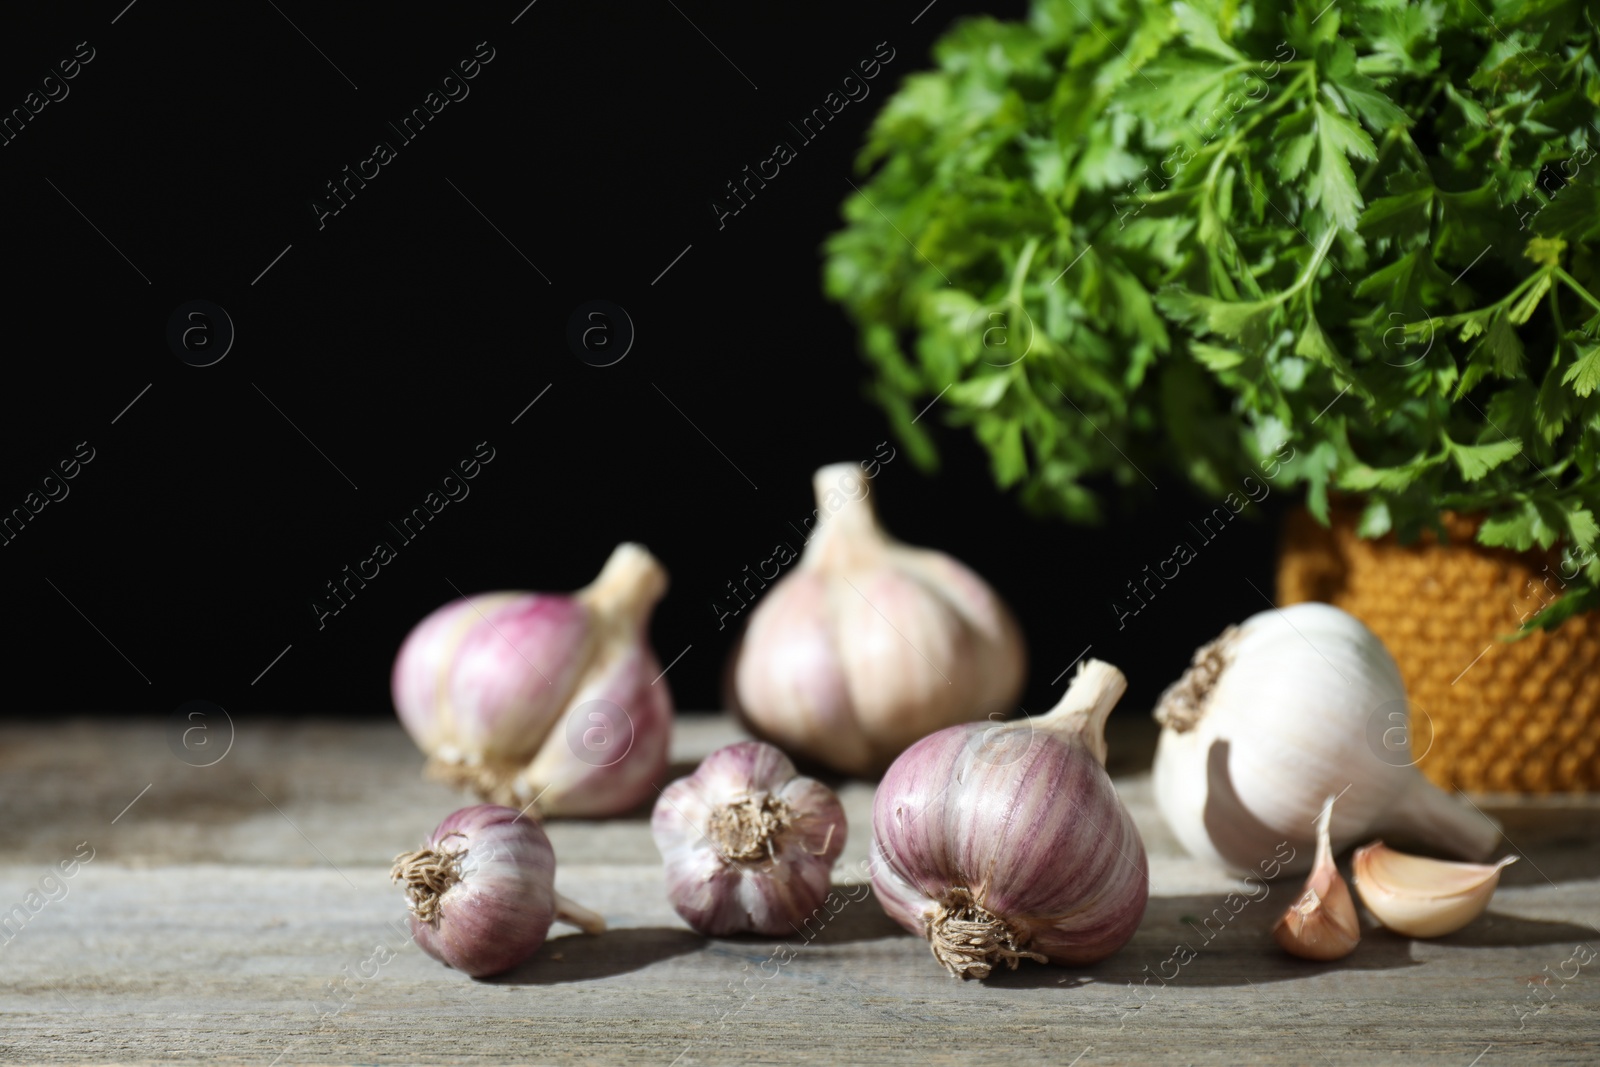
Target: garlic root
[(969, 939), (428, 875)]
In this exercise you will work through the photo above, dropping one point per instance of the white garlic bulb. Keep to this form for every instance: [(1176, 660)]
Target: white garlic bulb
[(544, 697), (870, 644), (1281, 712)]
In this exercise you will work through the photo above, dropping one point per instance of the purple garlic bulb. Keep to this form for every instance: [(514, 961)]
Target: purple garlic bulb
[(1009, 842), (749, 845), (482, 891), (542, 697)]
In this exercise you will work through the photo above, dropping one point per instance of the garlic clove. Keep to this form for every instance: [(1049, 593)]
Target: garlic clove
[(486, 674), (1322, 923), (611, 747), (1421, 897)]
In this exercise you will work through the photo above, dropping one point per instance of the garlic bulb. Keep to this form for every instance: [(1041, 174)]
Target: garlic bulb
[(482, 891), (869, 644), (998, 843), (1281, 712), (1421, 897), (539, 696), (1322, 923), (749, 845)]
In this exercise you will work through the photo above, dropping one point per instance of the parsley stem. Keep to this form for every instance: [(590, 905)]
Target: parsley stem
[(1577, 287)]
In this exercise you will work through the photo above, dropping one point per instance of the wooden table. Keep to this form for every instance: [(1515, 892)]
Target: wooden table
[(222, 905)]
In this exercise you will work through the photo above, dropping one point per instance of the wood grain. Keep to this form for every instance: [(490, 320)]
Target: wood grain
[(221, 910)]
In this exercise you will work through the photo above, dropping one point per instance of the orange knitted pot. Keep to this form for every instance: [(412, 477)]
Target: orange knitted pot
[(1521, 716)]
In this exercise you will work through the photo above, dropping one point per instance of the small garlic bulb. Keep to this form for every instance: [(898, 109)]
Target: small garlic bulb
[(870, 644), (541, 696), (1421, 897), (1279, 713), (1322, 923), (481, 891), (1009, 842), (749, 845)]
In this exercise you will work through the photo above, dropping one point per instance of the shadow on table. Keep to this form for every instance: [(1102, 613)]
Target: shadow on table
[(586, 957), (859, 918), (1494, 930), (1198, 940), (1175, 947)]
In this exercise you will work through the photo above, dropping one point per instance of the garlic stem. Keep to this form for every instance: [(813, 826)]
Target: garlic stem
[(1085, 706), (575, 914), (628, 586), (1436, 819), (849, 535)]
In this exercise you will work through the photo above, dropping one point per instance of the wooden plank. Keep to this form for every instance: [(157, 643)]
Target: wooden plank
[(221, 908)]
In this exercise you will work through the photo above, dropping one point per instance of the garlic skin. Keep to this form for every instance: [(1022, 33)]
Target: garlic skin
[(1271, 718), (1322, 923), (999, 843), (1421, 897), (868, 644), (482, 891), (749, 845), (524, 696)]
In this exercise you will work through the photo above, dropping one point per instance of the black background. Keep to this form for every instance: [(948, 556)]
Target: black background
[(408, 329)]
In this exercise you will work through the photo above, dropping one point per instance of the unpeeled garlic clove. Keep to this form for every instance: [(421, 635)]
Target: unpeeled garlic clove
[(1322, 923), (1421, 897)]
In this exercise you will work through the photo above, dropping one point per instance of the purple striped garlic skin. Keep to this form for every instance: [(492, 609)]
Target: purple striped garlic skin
[(499, 691), (488, 674), (616, 732), (749, 845), (998, 843), (482, 891)]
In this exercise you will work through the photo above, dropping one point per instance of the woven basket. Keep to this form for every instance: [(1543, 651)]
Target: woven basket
[(1487, 714)]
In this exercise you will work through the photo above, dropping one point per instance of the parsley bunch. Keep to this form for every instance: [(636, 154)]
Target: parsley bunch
[(1134, 234)]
